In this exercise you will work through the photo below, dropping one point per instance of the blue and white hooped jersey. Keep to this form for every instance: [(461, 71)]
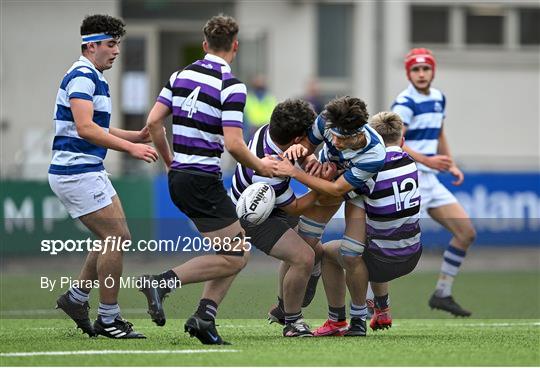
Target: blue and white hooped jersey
[(71, 153), (360, 165), (423, 116)]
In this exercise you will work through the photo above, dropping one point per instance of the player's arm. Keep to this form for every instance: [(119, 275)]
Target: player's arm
[(439, 162), (134, 136), (300, 205), (336, 188), (155, 125), (444, 149), (87, 129), (234, 143)]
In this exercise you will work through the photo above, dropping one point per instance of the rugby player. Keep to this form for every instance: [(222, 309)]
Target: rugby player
[(358, 150), (390, 203), (78, 178), (423, 109), (289, 123), (207, 104)]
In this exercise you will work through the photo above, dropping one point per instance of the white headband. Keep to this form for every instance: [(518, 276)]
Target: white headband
[(95, 37)]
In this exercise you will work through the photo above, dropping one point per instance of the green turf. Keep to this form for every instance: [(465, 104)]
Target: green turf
[(505, 331), (409, 342), (499, 295)]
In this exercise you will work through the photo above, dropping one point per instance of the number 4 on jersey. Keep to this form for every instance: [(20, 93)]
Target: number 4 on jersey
[(190, 103)]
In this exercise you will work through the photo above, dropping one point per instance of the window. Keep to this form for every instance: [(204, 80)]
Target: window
[(334, 40), (483, 27), (529, 29), (429, 24)]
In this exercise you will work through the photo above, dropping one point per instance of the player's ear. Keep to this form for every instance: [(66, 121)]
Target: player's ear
[(235, 45), (205, 46), (402, 141)]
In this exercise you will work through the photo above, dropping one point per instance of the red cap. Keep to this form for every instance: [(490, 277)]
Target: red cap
[(419, 56)]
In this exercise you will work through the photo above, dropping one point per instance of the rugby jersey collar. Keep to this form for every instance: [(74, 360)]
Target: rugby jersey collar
[(216, 59), (414, 92), (85, 60), (270, 143), (394, 149)]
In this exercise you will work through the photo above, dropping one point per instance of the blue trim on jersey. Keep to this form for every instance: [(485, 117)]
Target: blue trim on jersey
[(428, 107), (101, 89), (373, 142), (320, 126), (82, 96), (101, 118), (408, 103), (71, 144), (354, 181), (75, 169), (372, 167), (422, 134)]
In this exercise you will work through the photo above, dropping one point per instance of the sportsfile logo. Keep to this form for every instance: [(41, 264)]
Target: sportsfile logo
[(258, 198)]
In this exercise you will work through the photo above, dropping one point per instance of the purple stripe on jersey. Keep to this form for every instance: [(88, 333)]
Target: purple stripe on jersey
[(385, 184), (227, 76), (384, 210), (235, 192), (215, 169), (405, 228), (199, 116), (287, 202), (232, 123), (400, 252), (196, 142), (237, 97), (164, 101), (239, 181), (280, 186), (191, 85), (391, 156)]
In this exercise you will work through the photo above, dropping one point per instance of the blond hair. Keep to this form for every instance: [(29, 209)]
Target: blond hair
[(389, 125)]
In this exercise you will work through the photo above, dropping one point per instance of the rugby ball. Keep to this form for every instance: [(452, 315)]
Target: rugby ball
[(256, 203)]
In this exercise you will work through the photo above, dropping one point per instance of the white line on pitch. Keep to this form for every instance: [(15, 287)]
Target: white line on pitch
[(103, 352)]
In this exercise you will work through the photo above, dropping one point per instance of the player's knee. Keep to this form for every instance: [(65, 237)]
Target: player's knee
[(351, 251), (467, 235), (305, 259), (310, 230)]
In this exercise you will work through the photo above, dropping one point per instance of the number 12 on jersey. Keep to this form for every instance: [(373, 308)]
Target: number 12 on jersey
[(408, 193), (190, 103)]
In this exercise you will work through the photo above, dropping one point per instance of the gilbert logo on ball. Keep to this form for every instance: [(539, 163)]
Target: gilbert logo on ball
[(256, 203)]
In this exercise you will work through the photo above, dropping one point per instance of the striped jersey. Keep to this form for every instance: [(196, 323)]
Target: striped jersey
[(423, 115), (261, 145), (72, 154), (204, 97), (393, 208), (360, 164)]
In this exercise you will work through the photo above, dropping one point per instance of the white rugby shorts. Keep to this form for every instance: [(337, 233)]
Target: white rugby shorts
[(432, 193), (84, 193)]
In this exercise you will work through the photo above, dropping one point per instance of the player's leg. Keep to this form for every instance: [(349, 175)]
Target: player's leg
[(356, 272), (454, 218), (381, 318), (311, 227), (335, 290), (105, 223)]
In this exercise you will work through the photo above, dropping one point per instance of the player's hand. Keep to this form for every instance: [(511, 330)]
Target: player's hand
[(143, 135), (269, 166), (314, 168), (329, 171), (439, 162), (143, 152), (284, 167), (458, 174), (295, 152)]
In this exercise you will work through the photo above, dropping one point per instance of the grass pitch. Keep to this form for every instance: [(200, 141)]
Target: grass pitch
[(409, 342), (505, 330)]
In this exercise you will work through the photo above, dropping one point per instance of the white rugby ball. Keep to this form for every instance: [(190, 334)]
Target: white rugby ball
[(256, 203)]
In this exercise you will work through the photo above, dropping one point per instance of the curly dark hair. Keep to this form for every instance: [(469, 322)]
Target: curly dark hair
[(100, 23), (291, 119), (346, 114), (220, 31)]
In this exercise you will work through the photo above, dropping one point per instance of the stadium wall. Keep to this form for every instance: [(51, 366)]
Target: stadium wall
[(504, 206)]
